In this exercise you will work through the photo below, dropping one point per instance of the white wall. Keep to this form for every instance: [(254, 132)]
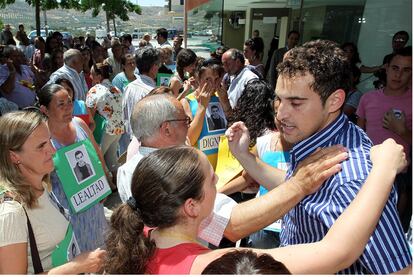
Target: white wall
[(383, 19)]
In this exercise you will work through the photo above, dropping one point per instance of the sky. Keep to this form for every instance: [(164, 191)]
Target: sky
[(158, 3)]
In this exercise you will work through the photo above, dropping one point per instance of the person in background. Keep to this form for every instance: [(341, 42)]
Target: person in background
[(208, 76), (148, 63), (177, 46), (114, 58), (387, 113), (90, 225), (26, 153), (57, 59), (72, 70), (87, 64), (186, 64), (79, 107), (128, 74), (351, 51), (353, 96), (23, 41), (6, 36), (292, 41), (106, 100), (234, 82), (17, 80), (253, 52), (165, 56), (147, 38), (162, 37), (126, 41)]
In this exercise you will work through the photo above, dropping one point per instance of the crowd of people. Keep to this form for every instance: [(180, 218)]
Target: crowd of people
[(317, 174)]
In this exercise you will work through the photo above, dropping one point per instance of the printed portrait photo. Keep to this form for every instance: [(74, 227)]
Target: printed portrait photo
[(216, 120), (80, 164)]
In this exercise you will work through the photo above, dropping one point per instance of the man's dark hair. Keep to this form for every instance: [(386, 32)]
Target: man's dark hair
[(293, 32), (245, 262), (214, 107), (146, 57), (127, 37), (236, 54), (401, 33), (325, 61), (405, 52), (162, 32), (78, 152)]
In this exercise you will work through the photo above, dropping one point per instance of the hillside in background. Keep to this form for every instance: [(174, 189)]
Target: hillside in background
[(79, 23)]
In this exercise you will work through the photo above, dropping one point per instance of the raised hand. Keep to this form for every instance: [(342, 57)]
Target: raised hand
[(318, 167), (389, 155)]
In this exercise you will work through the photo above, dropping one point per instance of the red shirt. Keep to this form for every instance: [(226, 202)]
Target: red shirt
[(175, 260)]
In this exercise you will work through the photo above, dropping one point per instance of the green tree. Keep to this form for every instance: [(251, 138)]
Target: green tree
[(45, 5), (112, 9)]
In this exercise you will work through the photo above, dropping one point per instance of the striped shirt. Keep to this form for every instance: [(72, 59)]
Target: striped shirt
[(387, 250)]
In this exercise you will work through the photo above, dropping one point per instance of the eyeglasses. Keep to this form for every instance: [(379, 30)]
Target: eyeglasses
[(187, 120)]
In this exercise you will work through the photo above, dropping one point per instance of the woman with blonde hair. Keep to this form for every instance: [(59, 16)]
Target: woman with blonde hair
[(28, 215)]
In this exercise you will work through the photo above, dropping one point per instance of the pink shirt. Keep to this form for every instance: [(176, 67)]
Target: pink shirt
[(374, 105)]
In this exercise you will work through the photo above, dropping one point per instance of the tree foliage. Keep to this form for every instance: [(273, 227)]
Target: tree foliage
[(113, 8)]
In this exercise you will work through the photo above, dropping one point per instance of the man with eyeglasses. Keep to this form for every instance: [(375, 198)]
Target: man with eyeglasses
[(157, 121)]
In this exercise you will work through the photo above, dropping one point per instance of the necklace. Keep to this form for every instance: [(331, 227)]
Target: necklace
[(175, 235)]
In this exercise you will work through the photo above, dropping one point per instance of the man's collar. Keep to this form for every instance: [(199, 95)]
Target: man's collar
[(144, 150), (320, 139)]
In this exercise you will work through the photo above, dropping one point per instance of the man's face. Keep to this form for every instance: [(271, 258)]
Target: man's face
[(398, 42), (77, 63), (215, 112), (292, 40), (300, 110), (180, 128), (79, 159), (399, 72), (230, 66), (177, 42), (160, 39)]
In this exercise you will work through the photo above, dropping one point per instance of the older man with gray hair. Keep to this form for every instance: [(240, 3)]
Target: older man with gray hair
[(72, 71)]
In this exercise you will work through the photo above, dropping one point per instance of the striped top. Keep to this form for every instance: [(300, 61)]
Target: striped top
[(387, 250)]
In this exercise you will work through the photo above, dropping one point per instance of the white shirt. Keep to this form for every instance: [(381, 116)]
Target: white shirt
[(237, 85), (49, 228), (77, 80), (211, 228), (134, 92)]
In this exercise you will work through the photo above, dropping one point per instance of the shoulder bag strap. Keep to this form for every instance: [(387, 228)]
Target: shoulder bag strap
[(37, 264)]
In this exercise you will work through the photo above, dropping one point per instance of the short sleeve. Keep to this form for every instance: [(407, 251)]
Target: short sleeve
[(13, 224)]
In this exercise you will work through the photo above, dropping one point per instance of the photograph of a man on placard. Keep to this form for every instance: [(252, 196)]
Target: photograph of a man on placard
[(80, 164), (215, 118)]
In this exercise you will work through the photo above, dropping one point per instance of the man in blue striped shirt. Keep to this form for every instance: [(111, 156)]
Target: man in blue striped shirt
[(311, 90)]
